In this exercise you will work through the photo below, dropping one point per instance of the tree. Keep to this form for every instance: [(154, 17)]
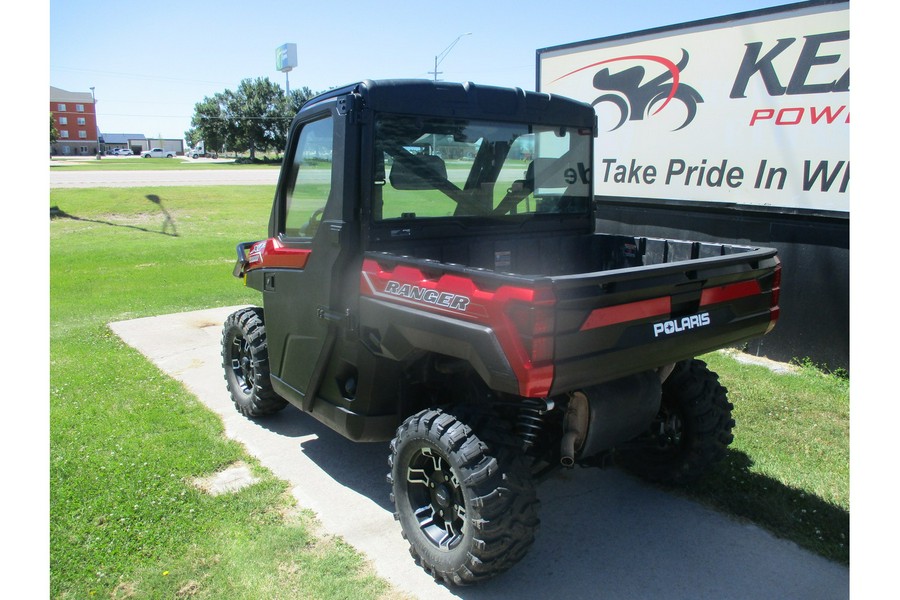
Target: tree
[(54, 132), (257, 108), (208, 123), (192, 136), (299, 97), (292, 105), (255, 117)]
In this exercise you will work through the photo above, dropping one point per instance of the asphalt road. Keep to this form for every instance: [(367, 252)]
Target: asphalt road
[(82, 179), (60, 178), (603, 535)]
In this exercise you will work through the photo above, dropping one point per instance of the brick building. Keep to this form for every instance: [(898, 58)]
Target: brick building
[(76, 120)]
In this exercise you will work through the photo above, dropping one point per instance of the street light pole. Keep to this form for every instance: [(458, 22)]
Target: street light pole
[(96, 127), (440, 57)]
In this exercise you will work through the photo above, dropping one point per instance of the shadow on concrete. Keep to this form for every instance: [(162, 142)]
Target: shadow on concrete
[(604, 533), (360, 466)]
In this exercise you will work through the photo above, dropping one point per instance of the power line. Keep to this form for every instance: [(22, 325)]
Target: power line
[(242, 117), (190, 116), (133, 76)]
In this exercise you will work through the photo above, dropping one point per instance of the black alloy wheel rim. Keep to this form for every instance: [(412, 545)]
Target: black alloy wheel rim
[(436, 497), (242, 363)]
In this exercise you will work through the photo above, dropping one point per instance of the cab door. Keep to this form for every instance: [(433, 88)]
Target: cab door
[(305, 309)]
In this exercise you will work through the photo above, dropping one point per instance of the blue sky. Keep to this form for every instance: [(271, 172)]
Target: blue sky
[(151, 62)]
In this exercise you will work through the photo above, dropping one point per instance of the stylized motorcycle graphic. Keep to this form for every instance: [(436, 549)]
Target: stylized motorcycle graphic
[(634, 100)]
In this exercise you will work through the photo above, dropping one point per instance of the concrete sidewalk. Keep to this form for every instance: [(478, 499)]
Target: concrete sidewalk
[(603, 533)]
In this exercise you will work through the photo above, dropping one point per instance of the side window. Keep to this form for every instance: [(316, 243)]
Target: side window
[(310, 182)]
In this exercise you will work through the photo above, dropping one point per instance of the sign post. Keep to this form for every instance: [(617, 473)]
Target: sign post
[(285, 60)]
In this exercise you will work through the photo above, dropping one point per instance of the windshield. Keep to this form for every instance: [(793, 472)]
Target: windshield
[(431, 167)]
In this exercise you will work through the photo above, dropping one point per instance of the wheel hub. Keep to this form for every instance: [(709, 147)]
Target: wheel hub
[(442, 496), (669, 429)]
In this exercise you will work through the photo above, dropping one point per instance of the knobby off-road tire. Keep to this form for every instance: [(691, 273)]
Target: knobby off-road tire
[(692, 431), (245, 359), (466, 501)]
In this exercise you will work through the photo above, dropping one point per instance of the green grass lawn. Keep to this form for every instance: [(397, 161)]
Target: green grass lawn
[(788, 468), (126, 440)]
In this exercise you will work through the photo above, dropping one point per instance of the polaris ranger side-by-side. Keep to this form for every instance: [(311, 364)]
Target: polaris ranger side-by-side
[(432, 276)]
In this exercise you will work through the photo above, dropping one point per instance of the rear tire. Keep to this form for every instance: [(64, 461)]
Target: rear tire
[(690, 434), (245, 359), (466, 501)]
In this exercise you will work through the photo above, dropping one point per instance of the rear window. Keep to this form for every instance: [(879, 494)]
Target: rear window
[(457, 168)]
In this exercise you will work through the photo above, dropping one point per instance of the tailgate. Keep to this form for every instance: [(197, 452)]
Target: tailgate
[(698, 298)]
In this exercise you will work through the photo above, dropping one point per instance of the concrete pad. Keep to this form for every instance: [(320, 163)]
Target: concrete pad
[(604, 534), (233, 479), (761, 361)]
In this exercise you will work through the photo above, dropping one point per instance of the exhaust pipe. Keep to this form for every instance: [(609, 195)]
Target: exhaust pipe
[(664, 372), (574, 428), (601, 416)]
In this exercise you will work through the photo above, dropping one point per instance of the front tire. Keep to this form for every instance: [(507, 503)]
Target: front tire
[(245, 359), (690, 434), (466, 501)]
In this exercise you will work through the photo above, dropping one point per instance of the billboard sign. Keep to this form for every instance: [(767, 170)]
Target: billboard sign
[(286, 57), (750, 109)]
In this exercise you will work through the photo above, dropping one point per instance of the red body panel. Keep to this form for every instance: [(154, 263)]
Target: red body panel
[(461, 298), (522, 318), (612, 315), (272, 253)]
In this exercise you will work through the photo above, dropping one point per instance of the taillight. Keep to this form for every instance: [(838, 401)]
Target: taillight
[(536, 324), (776, 285), (775, 311)]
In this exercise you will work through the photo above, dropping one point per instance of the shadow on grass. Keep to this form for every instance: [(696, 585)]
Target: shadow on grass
[(168, 221), (790, 513)]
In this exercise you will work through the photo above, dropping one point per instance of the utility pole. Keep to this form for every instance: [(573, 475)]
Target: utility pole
[(96, 124), (440, 57)]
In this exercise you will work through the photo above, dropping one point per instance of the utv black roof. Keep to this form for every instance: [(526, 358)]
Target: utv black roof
[(469, 100)]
